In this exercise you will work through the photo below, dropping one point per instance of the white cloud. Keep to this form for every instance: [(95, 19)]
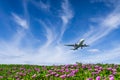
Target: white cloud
[(50, 34), (108, 3), (51, 53), (44, 6), (55, 53), (20, 21), (94, 50), (104, 56), (66, 15), (105, 27), (112, 21), (26, 13), (41, 5), (17, 37), (7, 49), (48, 53)]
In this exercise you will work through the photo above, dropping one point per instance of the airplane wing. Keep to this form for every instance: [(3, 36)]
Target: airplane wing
[(86, 45), (73, 49), (70, 45)]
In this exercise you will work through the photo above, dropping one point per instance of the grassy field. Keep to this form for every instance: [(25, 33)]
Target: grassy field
[(76, 71)]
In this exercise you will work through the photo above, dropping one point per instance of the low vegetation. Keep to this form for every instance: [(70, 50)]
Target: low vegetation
[(76, 71)]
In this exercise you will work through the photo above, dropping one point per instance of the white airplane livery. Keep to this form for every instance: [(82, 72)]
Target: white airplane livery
[(80, 44)]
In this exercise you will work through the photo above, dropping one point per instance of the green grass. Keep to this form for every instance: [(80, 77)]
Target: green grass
[(69, 72)]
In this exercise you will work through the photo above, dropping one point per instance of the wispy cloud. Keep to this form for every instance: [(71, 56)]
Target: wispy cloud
[(41, 5), (20, 21), (50, 33), (94, 50), (12, 49), (104, 56), (26, 13), (67, 12), (105, 26), (55, 53), (20, 32), (50, 52), (112, 21), (108, 3), (44, 6), (66, 15)]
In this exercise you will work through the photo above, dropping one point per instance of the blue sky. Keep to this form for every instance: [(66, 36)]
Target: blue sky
[(35, 31)]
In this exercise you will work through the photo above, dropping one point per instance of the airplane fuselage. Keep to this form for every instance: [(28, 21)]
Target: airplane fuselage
[(77, 45)]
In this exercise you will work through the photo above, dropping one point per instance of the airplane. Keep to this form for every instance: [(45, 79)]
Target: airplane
[(78, 45)]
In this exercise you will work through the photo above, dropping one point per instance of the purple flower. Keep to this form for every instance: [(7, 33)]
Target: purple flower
[(37, 69), (76, 70), (114, 73), (72, 66), (34, 76), (66, 66), (83, 66), (71, 74), (62, 70), (98, 78), (110, 75), (28, 70), (114, 70), (75, 65), (99, 71), (57, 75), (1, 77), (90, 69), (63, 76), (111, 78), (89, 79), (53, 73), (116, 66), (18, 79), (44, 68), (110, 69), (49, 71), (96, 69), (47, 75), (20, 73), (22, 69), (67, 70), (100, 68), (95, 73), (63, 67), (96, 66)]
